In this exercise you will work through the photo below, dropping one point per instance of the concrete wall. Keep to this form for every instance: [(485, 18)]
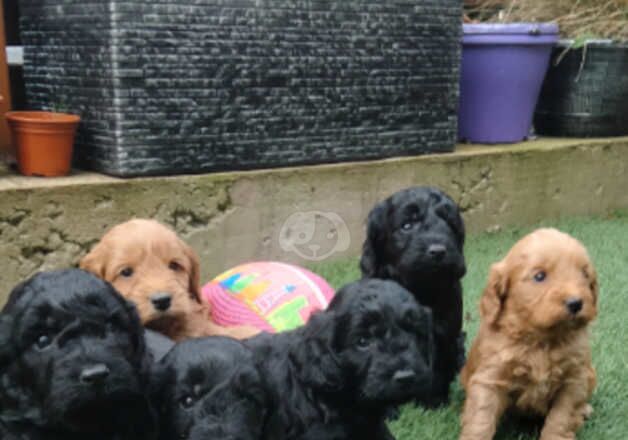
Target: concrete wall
[(234, 217)]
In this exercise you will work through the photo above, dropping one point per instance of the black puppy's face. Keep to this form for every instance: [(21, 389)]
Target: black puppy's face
[(417, 234), (71, 355), (210, 388), (381, 342)]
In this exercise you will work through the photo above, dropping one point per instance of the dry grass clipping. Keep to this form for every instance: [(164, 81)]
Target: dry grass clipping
[(577, 18)]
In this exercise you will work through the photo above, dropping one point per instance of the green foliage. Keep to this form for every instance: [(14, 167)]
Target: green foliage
[(581, 40)]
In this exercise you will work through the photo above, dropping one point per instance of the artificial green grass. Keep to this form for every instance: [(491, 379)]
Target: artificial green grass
[(607, 242)]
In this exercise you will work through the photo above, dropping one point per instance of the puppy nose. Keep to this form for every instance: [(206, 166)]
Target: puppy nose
[(436, 251), (404, 376), (161, 301), (574, 305), (94, 374)]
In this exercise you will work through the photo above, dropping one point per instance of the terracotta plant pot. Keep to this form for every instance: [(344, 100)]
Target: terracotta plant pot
[(43, 141)]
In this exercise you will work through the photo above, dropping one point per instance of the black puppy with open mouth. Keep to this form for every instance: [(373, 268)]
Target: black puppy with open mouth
[(337, 377), (73, 363), (209, 388), (416, 237)]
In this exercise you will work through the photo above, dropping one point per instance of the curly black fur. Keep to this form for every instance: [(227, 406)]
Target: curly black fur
[(209, 388), (416, 237), (336, 377), (73, 363)]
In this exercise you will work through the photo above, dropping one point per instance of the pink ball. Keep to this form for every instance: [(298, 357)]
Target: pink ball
[(269, 295)]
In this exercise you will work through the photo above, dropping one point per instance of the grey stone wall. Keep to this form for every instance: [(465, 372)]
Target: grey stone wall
[(199, 85)]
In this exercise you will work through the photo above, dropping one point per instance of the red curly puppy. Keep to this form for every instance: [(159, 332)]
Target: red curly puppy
[(532, 352), (150, 266)]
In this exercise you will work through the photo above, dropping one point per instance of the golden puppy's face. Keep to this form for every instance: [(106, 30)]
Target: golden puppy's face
[(546, 281), (150, 266)]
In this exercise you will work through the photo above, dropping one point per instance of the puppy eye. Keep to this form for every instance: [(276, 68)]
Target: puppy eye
[(127, 272), (585, 273), (540, 276), (174, 266), (43, 341), (364, 342), (407, 226), (187, 401)]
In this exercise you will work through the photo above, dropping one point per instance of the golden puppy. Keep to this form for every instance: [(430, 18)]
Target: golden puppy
[(148, 264), (532, 351)]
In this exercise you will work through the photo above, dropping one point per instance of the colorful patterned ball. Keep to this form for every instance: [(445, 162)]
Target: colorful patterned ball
[(269, 295)]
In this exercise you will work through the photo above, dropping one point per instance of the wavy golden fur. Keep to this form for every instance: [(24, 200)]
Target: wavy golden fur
[(146, 261), (532, 352)]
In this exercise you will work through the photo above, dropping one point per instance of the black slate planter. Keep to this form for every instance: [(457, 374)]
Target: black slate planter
[(585, 92), (185, 86)]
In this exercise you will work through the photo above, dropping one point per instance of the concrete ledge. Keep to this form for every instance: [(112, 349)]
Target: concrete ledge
[(234, 217)]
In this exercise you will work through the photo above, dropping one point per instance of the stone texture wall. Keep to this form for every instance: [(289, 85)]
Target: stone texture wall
[(230, 218), (196, 85)]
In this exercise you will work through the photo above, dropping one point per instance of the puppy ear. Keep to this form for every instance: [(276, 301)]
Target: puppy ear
[(15, 398), (18, 292), (595, 289), (159, 379), (194, 282), (6, 347), (492, 301), (248, 382), (314, 358), (448, 210), (370, 262), (137, 336), (94, 261)]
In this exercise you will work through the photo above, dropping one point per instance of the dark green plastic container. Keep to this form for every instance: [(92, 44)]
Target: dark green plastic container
[(585, 91)]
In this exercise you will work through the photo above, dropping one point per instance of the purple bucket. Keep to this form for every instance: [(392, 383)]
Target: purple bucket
[(503, 66)]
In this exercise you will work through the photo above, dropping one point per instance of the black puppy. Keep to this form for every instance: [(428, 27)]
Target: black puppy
[(336, 377), (157, 344), (416, 238), (73, 363), (209, 388)]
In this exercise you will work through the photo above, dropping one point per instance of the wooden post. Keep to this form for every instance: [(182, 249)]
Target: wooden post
[(5, 89)]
